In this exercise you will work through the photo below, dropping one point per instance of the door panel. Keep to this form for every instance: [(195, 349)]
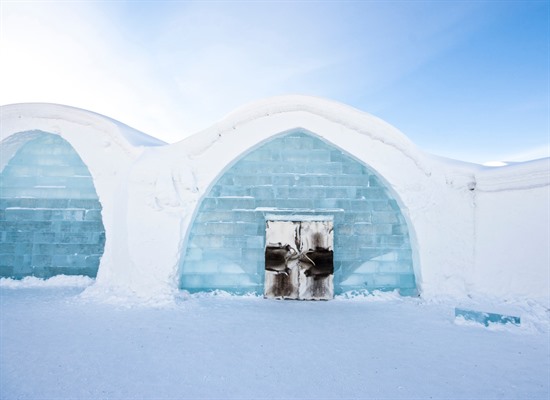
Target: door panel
[(281, 259), (316, 261), (299, 260)]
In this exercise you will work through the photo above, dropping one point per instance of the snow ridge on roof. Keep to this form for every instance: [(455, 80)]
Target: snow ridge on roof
[(524, 175), (52, 112), (331, 111)]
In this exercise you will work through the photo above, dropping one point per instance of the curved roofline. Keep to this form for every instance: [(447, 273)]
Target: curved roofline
[(330, 109), (518, 176), (326, 118), (333, 111), (52, 111)]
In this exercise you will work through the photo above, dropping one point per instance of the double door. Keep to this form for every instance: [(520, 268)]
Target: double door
[(299, 260)]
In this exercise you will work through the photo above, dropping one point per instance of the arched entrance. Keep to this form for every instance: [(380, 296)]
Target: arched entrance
[(50, 214), (298, 173)]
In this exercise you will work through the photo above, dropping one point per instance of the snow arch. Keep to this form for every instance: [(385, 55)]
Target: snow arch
[(50, 211), (295, 173)]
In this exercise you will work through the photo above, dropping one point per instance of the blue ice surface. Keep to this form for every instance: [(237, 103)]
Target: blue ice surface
[(298, 173), (486, 318), (50, 215)]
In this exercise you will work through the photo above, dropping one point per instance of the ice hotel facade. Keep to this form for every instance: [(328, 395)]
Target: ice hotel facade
[(291, 197)]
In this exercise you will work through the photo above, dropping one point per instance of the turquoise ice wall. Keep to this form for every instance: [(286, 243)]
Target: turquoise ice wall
[(50, 215), (298, 173)]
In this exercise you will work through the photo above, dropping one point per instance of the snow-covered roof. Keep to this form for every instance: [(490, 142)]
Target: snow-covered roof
[(48, 117)]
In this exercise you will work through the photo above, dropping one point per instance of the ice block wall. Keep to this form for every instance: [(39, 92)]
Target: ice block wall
[(50, 215), (298, 173)]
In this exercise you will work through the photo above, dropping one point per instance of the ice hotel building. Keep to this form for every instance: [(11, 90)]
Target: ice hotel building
[(292, 197)]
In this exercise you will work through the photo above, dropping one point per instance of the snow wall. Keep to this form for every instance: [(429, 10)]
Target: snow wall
[(454, 228)]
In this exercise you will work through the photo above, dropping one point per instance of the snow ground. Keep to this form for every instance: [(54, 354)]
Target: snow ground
[(55, 344)]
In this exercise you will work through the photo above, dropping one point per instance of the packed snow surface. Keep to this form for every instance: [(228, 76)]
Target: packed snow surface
[(57, 344)]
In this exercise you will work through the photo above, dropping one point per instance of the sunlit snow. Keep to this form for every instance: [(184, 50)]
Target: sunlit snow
[(56, 344)]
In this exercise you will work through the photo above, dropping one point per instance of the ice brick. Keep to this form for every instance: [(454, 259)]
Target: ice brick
[(486, 318)]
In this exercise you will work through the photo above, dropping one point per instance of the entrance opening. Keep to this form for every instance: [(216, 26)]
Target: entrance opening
[(299, 259), (50, 214)]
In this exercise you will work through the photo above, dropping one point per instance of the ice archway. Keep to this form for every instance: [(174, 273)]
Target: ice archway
[(50, 211), (298, 173)]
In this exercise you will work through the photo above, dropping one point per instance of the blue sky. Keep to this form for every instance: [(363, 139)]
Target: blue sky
[(463, 79)]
